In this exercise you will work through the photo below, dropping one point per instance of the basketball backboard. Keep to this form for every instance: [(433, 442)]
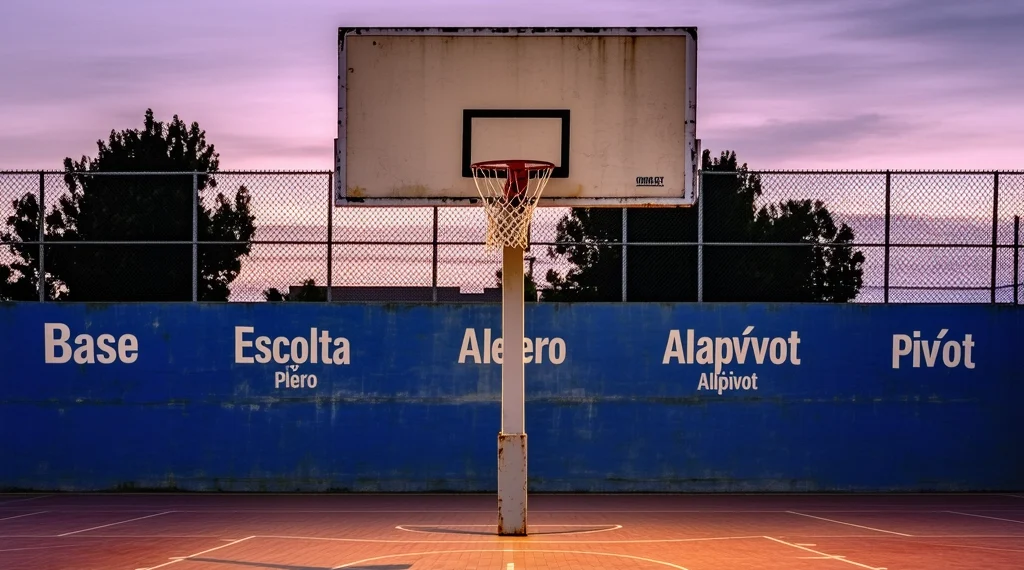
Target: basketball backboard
[(613, 108)]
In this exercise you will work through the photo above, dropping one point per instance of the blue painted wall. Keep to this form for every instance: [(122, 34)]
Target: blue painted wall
[(839, 404)]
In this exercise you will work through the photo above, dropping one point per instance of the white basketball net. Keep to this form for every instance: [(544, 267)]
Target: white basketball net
[(510, 191)]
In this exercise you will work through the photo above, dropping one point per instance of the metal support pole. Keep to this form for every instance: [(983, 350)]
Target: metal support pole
[(433, 263), (700, 240), (625, 233), (195, 237), (512, 437), (888, 227), (330, 235), (995, 231), (42, 237), (1016, 259)]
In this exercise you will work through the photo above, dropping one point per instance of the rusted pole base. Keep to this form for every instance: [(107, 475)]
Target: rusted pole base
[(512, 484)]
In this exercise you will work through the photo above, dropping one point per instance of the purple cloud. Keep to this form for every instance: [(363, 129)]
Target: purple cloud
[(794, 83)]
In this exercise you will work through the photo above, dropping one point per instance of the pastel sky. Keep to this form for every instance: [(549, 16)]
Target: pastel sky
[(935, 84)]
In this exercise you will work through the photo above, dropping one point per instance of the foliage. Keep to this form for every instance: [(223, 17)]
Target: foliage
[(142, 207), (529, 285), (826, 269), (308, 293)]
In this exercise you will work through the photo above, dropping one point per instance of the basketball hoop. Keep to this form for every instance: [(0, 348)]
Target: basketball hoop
[(510, 190)]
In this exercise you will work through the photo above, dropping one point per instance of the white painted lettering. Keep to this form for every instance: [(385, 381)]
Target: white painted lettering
[(86, 351), (541, 343), (778, 350), (493, 349), (241, 344), (674, 348), (954, 352), (556, 352), (341, 351), (900, 348), (288, 380), (497, 350), (128, 348), (469, 348), (300, 350), (105, 348), (968, 345), (104, 343), (721, 383), (794, 340), (279, 356), (282, 350), (263, 347), (325, 347), (723, 351), (56, 338)]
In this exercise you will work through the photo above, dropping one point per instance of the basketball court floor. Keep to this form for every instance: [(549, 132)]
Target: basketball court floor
[(458, 532)]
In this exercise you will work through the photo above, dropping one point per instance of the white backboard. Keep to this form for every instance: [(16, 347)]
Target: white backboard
[(613, 108)]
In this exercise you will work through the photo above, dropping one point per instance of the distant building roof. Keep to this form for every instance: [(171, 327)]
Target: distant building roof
[(403, 294)]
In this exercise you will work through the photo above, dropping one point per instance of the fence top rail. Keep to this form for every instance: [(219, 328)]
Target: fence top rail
[(867, 172), (168, 173), (326, 172)]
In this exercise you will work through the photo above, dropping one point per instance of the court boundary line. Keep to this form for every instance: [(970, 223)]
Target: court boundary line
[(113, 536), (972, 546), (850, 524), (176, 559), (612, 527), (531, 550), (836, 557), (11, 502), (984, 517), (40, 547), (504, 540), (25, 515), (114, 524)]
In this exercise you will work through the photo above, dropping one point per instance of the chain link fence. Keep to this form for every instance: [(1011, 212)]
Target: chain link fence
[(871, 237)]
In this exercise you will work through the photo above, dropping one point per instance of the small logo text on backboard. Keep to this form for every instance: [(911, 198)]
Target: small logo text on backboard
[(650, 180)]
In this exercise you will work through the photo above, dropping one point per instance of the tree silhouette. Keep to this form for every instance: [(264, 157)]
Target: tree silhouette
[(823, 268), (595, 272), (307, 293), (529, 286), (140, 207)]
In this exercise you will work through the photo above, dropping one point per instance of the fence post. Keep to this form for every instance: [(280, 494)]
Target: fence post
[(433, 263), (195, 237), (995, 230), (330, 235), (700, 237), (1016, 258), (625, 232), (888, 224), (42, 237)]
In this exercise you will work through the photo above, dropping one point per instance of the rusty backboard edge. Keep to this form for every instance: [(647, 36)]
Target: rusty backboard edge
[(520, 31)]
